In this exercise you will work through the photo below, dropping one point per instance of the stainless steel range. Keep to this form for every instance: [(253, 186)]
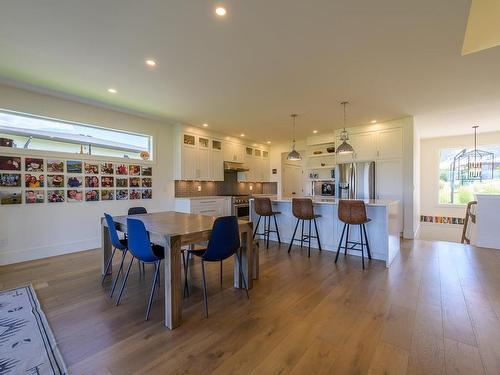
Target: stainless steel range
[(240, 206)]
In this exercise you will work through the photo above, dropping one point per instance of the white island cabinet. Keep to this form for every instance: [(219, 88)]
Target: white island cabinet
[(383, 229)]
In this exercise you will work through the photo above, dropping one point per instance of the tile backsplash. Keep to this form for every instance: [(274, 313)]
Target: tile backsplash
[(230, 186)]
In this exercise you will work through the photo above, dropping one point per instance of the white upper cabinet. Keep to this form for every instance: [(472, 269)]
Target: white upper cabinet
[(217, 160), (234, 152), (203, 171), (365, 146), (390, 143)]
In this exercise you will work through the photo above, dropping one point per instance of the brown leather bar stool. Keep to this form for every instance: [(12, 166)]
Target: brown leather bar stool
[(264, 208), (302, 209), (353, 212)]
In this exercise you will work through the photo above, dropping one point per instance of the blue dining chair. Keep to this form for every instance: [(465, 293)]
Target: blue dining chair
[(142, 249), (224, 243), (116, 243)]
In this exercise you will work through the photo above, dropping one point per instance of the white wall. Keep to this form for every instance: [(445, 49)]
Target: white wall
[(41, 230), (429, 184)]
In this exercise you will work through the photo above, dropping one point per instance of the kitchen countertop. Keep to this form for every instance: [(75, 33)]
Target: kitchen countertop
[(207, 197), (334, 201)]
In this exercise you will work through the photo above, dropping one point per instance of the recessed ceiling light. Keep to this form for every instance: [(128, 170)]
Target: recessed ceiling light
[(220, 11), (112, 90), (242, 135), (374, 121), (150, 62), (315, 131), (268, 142), (205, 125)]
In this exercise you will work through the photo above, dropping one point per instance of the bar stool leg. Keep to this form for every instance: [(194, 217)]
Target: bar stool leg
[(256, 227), (346, 239), (362, 247), (340, 243), (268, 231), (302, 237), (293, 237), (277, 230), (367, 244), (309, 241), (317, 234)]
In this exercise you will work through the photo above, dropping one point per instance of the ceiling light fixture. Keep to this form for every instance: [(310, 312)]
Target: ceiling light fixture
[(112, 90), (315, 132), (268, 142), (150, 63), (374, 121), (205, 125), (344, 147), (220, 11), (294, 155), (242, 135)]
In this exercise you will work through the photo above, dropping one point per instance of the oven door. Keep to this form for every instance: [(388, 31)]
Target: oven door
[(242, 211)]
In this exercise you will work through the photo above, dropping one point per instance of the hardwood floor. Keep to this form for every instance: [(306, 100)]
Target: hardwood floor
[(435, 311)]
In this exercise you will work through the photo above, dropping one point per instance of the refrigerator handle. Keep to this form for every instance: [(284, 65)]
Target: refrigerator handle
[(352, 182)]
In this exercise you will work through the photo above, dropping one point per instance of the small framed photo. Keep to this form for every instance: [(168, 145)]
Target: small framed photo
[(55, 196), (74, 195), (34, 196), (10, 163), (121, 169), (91, 168), (34, 181), (55, 166), (10, 180), (134, 182), (33, 165), (107, 181), (91, 195), (10, 197), (107, 194), (147, 194), (74, 181), (91, 181), (107, 168), (55, 180), (135, 194), (74, 166), (146, 182), (121, 194), (134, 170), (146, 171), (121, 182)]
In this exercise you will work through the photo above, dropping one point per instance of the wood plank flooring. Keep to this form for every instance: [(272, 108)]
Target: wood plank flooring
[(435, 311)]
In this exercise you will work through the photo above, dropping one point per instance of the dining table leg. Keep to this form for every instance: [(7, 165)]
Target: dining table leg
[(246, 260), (106, 247), (172, 282)]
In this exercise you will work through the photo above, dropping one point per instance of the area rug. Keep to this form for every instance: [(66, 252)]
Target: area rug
[(27, 345)]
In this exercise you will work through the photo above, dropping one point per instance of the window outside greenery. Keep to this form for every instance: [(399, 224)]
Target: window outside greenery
[(463, 191)]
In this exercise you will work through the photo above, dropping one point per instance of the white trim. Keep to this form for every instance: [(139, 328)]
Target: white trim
[(23, 255)]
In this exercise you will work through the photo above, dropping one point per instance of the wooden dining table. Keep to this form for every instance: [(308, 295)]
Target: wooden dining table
[(172, 230)]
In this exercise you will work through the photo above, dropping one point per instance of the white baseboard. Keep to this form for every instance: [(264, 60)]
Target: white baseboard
[(23, 255)]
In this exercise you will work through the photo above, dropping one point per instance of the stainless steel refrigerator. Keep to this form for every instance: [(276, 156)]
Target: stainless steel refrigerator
[(355, 180)]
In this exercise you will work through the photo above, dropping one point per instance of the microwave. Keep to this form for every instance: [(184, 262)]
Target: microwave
[(328, 188)]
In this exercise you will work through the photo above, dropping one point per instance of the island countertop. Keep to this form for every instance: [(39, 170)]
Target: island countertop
[(335, 201)]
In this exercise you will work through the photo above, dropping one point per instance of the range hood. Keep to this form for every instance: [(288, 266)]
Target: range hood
[(234, 167)]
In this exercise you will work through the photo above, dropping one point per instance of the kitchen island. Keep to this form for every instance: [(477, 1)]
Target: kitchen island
[(383, 229)]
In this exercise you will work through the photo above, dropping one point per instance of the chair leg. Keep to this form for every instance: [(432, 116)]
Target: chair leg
[(153, 288), (115, 281), (241, 274), (317, 234), (108, 266), (277, 230), (347, 239), (221, 274), (140, 267), (205, 297), (302, 237), (309, 241), (256, 227), (362, 247), (293, 237), (367, 244), (124, 282), (185, 265), (340, 243), (268, 231)]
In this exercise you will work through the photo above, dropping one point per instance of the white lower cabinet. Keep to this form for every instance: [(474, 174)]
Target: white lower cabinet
[(389, 180), (209, 206)]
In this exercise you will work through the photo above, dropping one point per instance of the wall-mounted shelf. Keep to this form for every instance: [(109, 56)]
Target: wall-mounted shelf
[(322, 167), (332, 154)]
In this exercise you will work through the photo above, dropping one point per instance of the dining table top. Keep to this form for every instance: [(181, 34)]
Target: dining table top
[(171, 223)]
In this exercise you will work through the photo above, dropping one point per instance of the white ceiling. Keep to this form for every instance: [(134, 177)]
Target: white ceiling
[(264, 60)]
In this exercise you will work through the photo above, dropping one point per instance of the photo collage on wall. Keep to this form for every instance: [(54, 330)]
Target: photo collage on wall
[(33, 180)]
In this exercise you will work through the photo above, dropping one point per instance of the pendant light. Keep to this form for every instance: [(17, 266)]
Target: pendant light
[(344, 147), (293, 155)]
